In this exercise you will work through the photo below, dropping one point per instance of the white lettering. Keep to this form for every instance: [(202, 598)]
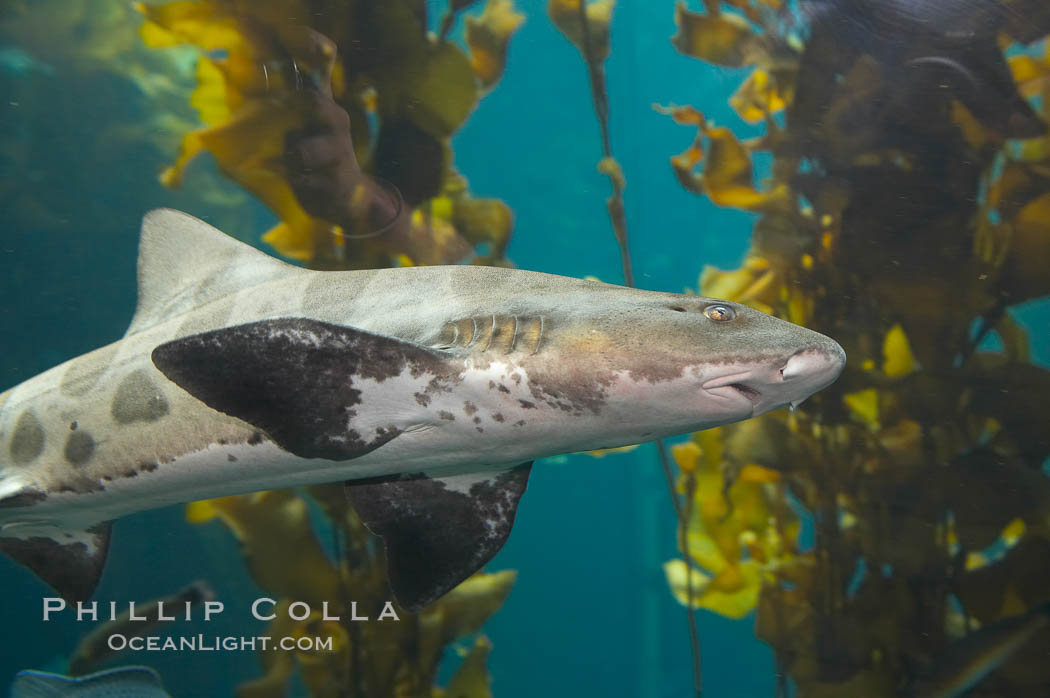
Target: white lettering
[(255, 609), (90, 609), (388, 612), (131, 612), (160, 612), (305, 613), (353, 612), (53, 604), (324, 612), (212, 607), (117, 642)]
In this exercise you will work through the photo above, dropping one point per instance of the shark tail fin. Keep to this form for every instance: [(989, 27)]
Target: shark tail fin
[(70, 562)]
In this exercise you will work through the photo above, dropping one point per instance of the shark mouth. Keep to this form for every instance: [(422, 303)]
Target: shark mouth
[(731, 386), (784, 383), (747, 391)]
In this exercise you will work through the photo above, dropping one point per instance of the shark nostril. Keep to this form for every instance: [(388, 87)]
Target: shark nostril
[(799, 364), (806, 363)]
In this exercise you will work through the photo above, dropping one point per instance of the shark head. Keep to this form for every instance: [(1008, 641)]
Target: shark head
[(672, 363), (757, 363)]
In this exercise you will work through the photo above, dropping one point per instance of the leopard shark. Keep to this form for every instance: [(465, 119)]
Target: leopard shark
[(429, 391)]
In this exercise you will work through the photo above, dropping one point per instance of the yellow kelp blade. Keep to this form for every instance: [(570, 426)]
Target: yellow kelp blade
[(898, 360), (465, 609), (277, 536), (437, 96), (1024, 270), (472, 679), (488, 36), (733, 593), (566, 17), (864, 405), (728, 174), (758, 97), (189, 21), (723, 39)]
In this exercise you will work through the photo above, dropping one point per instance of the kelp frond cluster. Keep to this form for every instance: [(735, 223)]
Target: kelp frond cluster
[(406, 91), (906, 214)]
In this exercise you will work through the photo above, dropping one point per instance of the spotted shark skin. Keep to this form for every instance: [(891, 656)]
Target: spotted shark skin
[(434, 386)]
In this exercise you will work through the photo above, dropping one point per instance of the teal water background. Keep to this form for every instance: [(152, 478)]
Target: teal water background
[(591, 614)]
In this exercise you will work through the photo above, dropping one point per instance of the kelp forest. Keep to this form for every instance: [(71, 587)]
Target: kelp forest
[(891, 535), (906, 212)]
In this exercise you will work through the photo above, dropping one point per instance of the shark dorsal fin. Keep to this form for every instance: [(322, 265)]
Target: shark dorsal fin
[(185, 263)]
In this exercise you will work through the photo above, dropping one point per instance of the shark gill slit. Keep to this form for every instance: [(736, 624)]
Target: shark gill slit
[(473, 332), (492, 333), (539, 335), (454, 339), (513, 336)]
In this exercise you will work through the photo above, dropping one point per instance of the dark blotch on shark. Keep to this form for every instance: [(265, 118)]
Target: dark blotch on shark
[(138, 400), (294, 379), (28, 440), (80, 446)]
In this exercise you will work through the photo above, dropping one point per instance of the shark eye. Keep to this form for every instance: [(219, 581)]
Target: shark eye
[(719, 313)]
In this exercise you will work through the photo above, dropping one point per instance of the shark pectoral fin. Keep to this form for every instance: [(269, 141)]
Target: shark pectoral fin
[(438, 531), (70, 562), (318, 390)]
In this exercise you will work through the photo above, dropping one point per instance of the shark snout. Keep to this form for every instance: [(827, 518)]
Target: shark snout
[(802, 374), (806, 364), (772, 385)]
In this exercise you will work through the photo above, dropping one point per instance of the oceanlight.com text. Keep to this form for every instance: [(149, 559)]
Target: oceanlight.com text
[(217, 643)]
